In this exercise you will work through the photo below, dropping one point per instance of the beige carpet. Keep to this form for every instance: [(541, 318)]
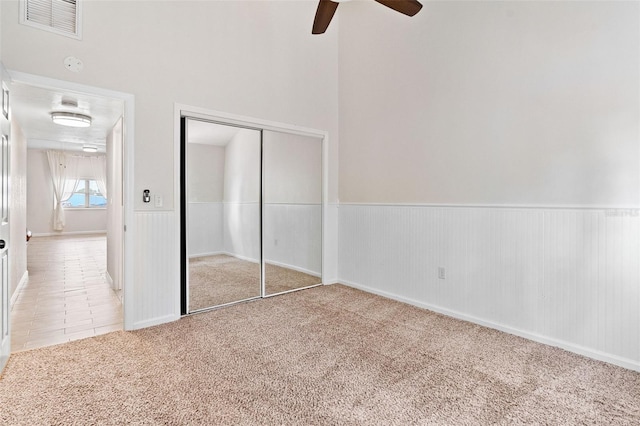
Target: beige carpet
[(216, 280), (325, 356), (280, 279)]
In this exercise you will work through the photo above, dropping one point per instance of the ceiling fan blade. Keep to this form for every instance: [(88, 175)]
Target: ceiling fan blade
[(407, 7), (326, 10)]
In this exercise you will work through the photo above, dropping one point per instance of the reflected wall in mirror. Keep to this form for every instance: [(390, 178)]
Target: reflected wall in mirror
[(223, 214), (292, 211)]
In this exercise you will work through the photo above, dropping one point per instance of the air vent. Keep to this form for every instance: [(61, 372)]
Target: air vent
[(59, 16)]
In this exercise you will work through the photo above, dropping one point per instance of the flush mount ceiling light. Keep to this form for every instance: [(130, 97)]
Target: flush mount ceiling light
[(71, 119), (90, 148)]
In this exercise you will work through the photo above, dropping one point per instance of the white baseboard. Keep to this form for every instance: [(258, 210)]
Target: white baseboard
[(22, 283), (213, 253), (57, 234), (112, 283), (238, 256), (295, 268), (226, 253), (107, 276), (590, 353), (154, 321)]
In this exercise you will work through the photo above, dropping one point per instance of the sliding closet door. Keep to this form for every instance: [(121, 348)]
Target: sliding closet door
[(292, 211), (223, 190)]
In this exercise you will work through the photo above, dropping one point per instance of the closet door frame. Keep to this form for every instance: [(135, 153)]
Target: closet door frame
[(191, 112)]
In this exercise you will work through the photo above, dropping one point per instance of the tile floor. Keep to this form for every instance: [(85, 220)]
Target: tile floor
[(67, 296)]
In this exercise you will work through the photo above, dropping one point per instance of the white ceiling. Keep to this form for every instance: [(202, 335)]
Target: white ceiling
[(32, 106), (207, 133)]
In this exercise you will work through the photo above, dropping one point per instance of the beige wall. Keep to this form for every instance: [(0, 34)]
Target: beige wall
[(18, 207), (531, 103), (292, 168), (205, 173), (253, 58)]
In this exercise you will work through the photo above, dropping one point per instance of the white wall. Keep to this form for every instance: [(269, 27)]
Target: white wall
[(497, 104), (17, 208), (115, 213), (40, 201)]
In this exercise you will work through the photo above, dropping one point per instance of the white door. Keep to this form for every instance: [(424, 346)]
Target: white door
[(5, 130)]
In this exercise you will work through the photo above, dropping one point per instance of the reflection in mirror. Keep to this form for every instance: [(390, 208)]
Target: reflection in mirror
[(292, 211), (223, 214)]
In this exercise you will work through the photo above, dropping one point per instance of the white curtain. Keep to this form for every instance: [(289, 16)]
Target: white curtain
[(64, 176), (99, 167)]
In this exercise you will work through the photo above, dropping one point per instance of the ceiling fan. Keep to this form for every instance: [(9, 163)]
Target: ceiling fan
[(327, 8)]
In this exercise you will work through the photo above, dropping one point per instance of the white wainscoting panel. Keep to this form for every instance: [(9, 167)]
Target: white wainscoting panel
[(293, 236), (205, 235), (330, 244), (241, 223), (156, 264), (566, 277)]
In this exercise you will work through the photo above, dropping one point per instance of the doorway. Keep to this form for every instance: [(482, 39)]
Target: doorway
[(251, 209), (99, 228)]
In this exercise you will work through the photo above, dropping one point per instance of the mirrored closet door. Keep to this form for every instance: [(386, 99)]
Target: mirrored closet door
[(251, 213), (223, 190), (292, 211)]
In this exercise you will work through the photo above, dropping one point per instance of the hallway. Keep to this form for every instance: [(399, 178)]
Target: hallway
[(67, 296)]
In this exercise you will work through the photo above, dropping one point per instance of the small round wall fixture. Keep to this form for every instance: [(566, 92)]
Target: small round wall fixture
[(71, 119), (73, 64)]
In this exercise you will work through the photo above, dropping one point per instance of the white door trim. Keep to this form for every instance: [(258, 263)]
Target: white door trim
[(5, 231)]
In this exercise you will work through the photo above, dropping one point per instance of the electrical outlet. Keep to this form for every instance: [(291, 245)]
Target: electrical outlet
[(158, 200), (441, 273)]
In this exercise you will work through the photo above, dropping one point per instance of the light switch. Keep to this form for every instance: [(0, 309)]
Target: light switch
[(158, 200)]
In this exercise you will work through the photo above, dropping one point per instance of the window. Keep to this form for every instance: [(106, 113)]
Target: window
[(86, 195), (59, 16)]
